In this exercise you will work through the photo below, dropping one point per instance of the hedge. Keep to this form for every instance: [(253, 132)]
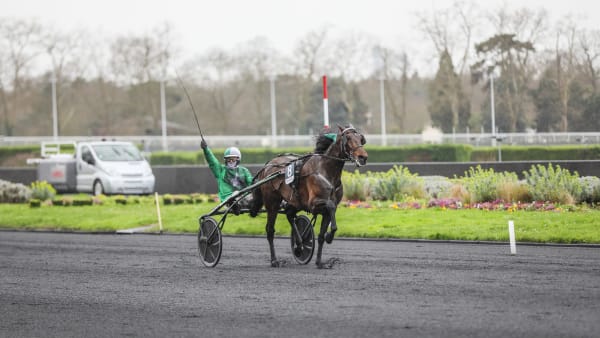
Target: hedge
[(377, 154), (9, 152)]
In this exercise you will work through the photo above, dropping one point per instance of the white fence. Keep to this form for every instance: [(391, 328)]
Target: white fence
[(155, 143)]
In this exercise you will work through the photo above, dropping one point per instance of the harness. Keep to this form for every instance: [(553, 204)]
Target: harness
[(292, 169)]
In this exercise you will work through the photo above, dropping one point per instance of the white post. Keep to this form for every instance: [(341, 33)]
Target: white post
[(163, 114), (54, 109), (511, 235), (382, 103), (273, 115)]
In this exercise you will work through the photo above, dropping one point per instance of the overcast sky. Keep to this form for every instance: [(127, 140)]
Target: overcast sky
[(203, 24)]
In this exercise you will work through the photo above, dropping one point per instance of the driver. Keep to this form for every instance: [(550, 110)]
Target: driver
[(230, 176)]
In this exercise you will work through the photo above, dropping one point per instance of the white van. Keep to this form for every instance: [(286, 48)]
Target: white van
[(101, 167)]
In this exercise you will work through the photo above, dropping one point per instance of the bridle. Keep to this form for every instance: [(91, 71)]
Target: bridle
[(348, 154)]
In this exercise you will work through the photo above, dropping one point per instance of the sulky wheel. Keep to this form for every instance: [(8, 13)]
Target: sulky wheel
[(303, 242), (210, 244)]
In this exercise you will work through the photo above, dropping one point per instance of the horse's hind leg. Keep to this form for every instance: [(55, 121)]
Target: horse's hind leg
[(270, 228), (290, 213)]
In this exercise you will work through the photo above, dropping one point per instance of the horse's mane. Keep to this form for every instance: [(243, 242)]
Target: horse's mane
[(322, 144), (324, 141)]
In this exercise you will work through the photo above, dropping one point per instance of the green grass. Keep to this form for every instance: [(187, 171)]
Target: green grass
[(383, 222)]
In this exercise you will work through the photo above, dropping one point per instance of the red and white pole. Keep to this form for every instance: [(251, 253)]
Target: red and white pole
[(325, 103)]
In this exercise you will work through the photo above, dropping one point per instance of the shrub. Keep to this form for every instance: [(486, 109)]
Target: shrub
[(42, 190), (459, 192), (14, 192), (595, 197), (436, 186), (511, 191), (66, 201), (167, 199), (356, 186), (198, 198), (178, 199), (98, 199), (553, 184), (483, 184), (35, 203), (395, 184), (120, 199), (80, 202), (590, 186)]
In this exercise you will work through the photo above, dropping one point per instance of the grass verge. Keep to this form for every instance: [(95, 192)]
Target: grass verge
[(431, 223)]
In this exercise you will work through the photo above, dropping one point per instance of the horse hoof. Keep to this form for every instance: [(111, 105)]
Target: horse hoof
[(278, 263), (333, 261), (329, 264), (328, 238)]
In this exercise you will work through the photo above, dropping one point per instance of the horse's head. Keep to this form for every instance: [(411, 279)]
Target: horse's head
[(352, 143)]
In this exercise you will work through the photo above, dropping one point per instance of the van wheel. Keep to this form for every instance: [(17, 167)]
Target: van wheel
[(98, 188)]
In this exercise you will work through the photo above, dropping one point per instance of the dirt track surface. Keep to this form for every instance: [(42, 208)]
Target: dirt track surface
[(76, 285)]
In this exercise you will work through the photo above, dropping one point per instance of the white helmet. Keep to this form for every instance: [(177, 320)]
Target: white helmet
[(233, 152)]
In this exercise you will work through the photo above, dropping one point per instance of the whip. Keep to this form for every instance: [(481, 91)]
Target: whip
[(191, 104)]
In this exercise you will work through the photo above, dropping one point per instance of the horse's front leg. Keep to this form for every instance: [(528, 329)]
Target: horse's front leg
[(332, 222), (328, 218)]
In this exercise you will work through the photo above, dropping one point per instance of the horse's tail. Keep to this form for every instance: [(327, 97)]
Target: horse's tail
[(257, 199)]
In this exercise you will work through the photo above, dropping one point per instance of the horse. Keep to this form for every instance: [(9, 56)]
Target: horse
[(318, 187)]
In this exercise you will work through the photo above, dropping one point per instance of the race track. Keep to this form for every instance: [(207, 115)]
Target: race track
[(85, 285)]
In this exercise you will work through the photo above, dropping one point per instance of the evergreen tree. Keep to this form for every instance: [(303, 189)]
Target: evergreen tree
[(591, 114), (547, 103), (448, 106), (510, 56)]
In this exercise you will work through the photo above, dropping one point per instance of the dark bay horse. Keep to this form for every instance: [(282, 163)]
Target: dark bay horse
[(318, 186)]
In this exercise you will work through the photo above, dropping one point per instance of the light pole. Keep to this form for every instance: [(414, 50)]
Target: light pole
[(382, 103), (163, 102), (379, 58), (492, 107), (163, 114), (273, 115), (54, 108)]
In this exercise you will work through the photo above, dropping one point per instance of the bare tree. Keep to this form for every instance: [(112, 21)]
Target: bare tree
[(589, 42), (19, 45), (259, 63), (218, 72), (451, 31), (393, 66), (565, 66), (306, 58), (307, 53), (511, 48), (348, 56), (527, 25), (142, 61), (65, 53)]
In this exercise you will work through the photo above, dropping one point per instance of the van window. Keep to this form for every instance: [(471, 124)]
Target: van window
[(117, 152), (86, 154)]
